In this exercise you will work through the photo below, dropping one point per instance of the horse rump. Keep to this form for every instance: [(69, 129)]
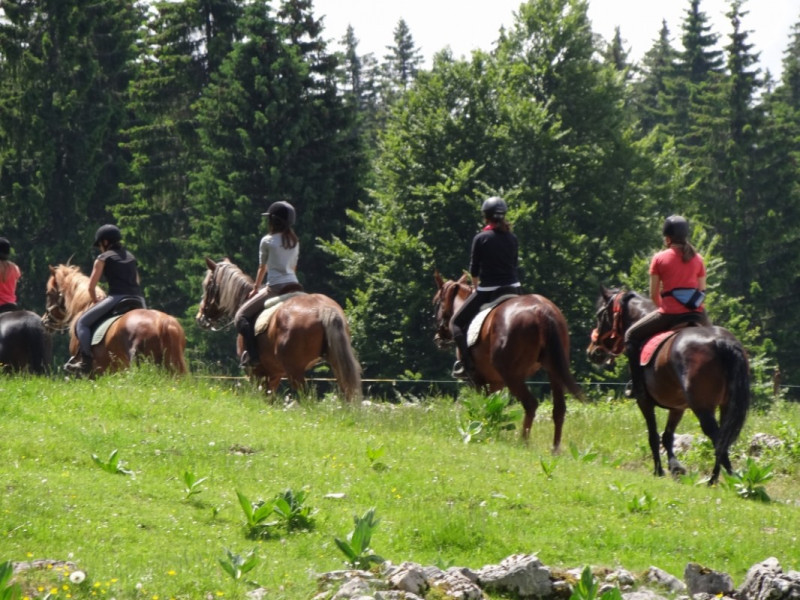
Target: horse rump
[(25, 343)]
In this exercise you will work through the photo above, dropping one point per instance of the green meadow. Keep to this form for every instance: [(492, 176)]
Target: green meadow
[(138, 481)]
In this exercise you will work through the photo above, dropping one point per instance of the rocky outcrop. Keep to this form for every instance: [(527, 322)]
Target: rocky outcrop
[(524, 576)]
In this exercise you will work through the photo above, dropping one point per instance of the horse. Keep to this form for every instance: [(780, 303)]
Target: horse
[(304, 330), (518, 338), (699, 368), (25, 344), (136, 334)]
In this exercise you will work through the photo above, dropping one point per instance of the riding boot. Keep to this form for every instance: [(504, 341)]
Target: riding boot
[(637, 389), (80, 364), (463, 368), (250, 354)]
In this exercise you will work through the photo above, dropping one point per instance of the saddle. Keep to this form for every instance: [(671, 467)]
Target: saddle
[(474, 329), (123, 306), (271, 305), (653, 345)]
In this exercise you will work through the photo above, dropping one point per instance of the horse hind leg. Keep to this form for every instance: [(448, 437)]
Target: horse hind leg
[(667, 439), (520, 391), (709, 425)]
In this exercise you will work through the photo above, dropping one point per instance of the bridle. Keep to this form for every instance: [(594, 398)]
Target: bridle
[(614, 334), (51, 320), (211, 292)]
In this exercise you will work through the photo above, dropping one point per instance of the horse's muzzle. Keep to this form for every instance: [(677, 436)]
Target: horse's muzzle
[(202, 321), (599, 355)]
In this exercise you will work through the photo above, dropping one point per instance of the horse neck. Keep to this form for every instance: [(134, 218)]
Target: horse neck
[(75, 287), (233, 287), (637, 307)]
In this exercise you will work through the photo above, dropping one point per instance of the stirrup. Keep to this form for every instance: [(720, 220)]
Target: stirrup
[(460, 371), (244, 359)]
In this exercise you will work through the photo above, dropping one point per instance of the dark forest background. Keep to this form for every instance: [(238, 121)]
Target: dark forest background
[(182, 121)]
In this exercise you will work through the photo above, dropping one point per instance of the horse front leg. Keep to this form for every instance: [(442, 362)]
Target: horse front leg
[(667, 439), (648, 411)]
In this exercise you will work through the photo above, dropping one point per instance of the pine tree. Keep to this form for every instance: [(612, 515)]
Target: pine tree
[(650, 89), (162, 139), (63, 81)]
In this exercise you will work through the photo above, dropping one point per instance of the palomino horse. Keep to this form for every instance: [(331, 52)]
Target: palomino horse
[(24, 342), (137, 334), (304, 330), (518, 338), (700, 368)]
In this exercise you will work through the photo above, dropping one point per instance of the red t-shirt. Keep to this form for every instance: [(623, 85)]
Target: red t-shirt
[(674, 273), (8, 283)]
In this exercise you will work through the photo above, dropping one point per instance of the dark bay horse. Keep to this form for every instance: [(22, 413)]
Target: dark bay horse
[(699, 368), (519, 337), (137, 334), (25, 344), (305, 329)]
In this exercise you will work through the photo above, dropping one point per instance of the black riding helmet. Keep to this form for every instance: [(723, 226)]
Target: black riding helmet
[(676, 228), (494, 208), (5, 248), (282, 211), (107, 233)]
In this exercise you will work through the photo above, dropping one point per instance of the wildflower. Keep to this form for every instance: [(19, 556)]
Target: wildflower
[(77, 577)]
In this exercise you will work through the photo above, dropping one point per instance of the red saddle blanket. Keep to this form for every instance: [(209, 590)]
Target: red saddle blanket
[(652, 345)]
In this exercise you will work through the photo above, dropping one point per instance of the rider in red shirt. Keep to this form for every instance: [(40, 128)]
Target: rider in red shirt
[(677, 287), (9, 275)]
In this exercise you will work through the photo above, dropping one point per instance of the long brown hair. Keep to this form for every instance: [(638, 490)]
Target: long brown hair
[(288, 236)]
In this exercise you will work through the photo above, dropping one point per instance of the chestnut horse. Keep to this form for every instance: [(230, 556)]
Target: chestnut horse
[(305, 329), (518, 338), (699, 368), (25, 344), (139, 333)]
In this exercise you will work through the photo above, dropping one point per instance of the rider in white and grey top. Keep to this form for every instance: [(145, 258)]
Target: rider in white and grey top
[(277, 260), (281, 262)]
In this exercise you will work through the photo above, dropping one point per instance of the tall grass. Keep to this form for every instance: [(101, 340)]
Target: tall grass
[(440, 501)]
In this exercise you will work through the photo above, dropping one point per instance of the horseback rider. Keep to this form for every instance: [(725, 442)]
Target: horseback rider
[(119, 268), (494, 267), (677, 287), (9, 276), (277, 260)]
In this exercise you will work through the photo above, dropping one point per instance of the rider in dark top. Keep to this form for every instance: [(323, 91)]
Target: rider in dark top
[(494, 267), (118, 266)]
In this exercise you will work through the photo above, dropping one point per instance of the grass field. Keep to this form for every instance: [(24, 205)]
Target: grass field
[(146, 533)]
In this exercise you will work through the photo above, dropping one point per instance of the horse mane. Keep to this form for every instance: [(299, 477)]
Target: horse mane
[(233, 284), (75, 287)]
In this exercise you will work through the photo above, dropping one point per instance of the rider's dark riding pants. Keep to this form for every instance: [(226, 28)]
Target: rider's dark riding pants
[(85, 323)]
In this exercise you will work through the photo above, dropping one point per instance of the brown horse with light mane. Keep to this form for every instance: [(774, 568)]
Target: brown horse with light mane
[(139, 333), (305, 329), (518, 338)]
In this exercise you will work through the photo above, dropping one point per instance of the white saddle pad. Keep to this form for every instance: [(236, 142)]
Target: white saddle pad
[(270, 306), (474, 331)]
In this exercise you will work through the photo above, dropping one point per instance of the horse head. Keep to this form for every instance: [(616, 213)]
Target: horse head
[(608, 337), (56, 315), (444, 302), (209, 312)]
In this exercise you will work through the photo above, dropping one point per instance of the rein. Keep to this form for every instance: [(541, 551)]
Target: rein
[(615, 333)]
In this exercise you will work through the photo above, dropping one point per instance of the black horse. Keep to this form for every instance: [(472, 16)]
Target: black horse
[(700, 368), (25, 344)]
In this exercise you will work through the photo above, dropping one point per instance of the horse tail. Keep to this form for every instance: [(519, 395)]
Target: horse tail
[(340, 353), (734, 358), (173, 344), (558, 353)]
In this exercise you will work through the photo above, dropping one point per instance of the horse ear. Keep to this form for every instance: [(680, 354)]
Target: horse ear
[(465, 278), (437, 277), (52, 269), (211, 264)]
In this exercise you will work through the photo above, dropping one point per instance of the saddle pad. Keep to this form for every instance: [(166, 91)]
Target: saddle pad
[(652, 345), (100, 332), (474, 330), (270, 306)]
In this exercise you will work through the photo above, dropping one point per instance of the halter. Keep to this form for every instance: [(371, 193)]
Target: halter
[(615, 333), (50, 320)]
